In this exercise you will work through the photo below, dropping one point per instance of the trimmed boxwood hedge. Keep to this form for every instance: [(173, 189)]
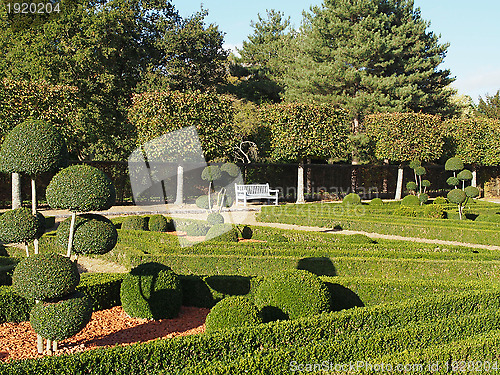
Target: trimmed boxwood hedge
[(45, 276), (19, 225), (197, 229), (222, 233), (151, 291), (214, 218), (135, 223), (351, 199), (410, 200), (94, 234), (159, 223), (232, 312), (62, 319)]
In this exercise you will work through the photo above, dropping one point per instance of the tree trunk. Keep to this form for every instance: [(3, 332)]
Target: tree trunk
[(399, 185), (180, 185), (71, 234), (308, 180), (34, 208), (300, 183), (474, 176), (16, 190)]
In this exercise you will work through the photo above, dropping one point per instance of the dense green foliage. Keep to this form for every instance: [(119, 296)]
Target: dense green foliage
[(135, 223), (410, 200), (232, 312), (376, 202), (81, 188), (351, 199), (222, 233), (19, 225), (94, 234), (454, 164), (246, 232), (197, 229), (490, 106), (62, 319), (214, 218), (159, 223), (151, 291), (292, 294), (45, 276), (32, 147)]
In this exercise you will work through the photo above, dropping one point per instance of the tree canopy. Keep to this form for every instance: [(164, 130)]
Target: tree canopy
[(490, 106)]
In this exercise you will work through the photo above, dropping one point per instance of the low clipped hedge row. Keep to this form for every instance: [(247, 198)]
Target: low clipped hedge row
[(468, 313)]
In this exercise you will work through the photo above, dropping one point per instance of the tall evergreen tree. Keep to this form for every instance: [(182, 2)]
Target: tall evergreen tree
[(490, 106), (369, 56)]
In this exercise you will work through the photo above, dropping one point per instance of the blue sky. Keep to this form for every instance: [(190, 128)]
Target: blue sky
[(471, 28)]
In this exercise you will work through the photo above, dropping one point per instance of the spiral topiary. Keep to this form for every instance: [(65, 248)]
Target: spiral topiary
[(465, 175), (81, 188), (151, 291), (44, 277), (352, 199), (231, 169), (246, 232), (214, 218), (453, 181), (471, 191), (159, 223), (292, 293), (135, 223), (232, 312), (411, 186), (33, 147), (222, 233), (196, 229), (456, 196), (63, 319), (211, 173), (376, 202), (19, 225), (94, 234), (410, 200), (420, 171), (454, 164)]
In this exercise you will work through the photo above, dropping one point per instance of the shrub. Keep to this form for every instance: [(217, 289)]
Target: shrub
[(19, 225), (465, 175), (440, 200), (211, 173), (232, 312), (292, 293), (453, 181), (352, 199), (454, 164), (456, 196), (376, 202), (135, 223), (222, 233), (405, 211), (426, 183), (411, 186), (214, 218), (151, 291), (81, 188), (471, 191), (414, 164), (423, 198), (93, 234), (45, 276), (63, 319), (231, 169), (434, 211), (33, 147), (196, 229), (159, 223), (488, 218), (410, 200), (13, 308), (246, 232), (202, 201), (420, 171)]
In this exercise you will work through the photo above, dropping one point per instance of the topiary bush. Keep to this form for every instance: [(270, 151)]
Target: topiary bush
[(423, 198), (214, 218), (352, 199), (453, 181), (202, 201), (94, 234), (196, 229), (159, 223), (434, 211), (232, 312), (495, 218), (246, 232), (19, 225), (81, 188), (45, 276), (62, 319), (292, 293), (440, 200), (151, 291), (222, 233), (135, 223), (33, 147), (454, 164), (426, 183), (465, 175), (471, 192), (231, 169), (376, 202), (420, 171), (456, 196), (410, 200), (211, 173), (411, 186)]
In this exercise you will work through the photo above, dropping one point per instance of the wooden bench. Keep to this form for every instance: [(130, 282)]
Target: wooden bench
[(255, 191)]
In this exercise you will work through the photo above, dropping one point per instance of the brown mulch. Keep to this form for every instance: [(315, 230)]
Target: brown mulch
[(107, 328)]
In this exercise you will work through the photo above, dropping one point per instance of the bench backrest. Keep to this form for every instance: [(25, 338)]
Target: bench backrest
[(254, 189)]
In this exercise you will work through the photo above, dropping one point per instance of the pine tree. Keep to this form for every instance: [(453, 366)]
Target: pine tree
[(369, 56), (490, 107)]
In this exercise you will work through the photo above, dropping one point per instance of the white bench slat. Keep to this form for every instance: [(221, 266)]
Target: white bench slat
[(255, 191)]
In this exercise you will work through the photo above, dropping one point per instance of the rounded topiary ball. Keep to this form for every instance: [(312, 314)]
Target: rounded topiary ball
[(440, 200), (420, 171), (202, 201), (214, 218), (410, 200), (454, 164), (471, 191), (246, 232), (453, 181), (465, 175), (196, 229), (292, 293), (414, 164), (232, 312), (93, 234), (19, 225), (376, 202), (231, 169), (222, 233), (426, 183), (45, 276), (423, 198), (135, 223), (63, 319), (456, 196), (159, 223), (211, 173), (81, 188), (411, 186), (352, 199), (33, 147), (151, 291)]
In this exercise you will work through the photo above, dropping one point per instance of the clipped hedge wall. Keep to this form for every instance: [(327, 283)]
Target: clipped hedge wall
[(135, 223)]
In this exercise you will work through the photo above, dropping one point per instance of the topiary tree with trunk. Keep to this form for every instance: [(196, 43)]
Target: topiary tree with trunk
[(33, 147), (20, 226), (80, 188), (460, 196)]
